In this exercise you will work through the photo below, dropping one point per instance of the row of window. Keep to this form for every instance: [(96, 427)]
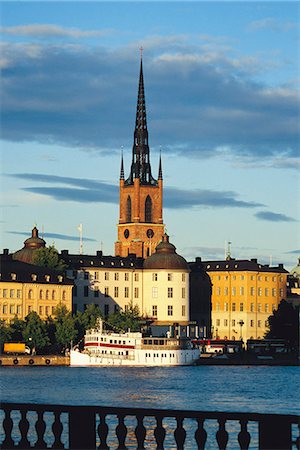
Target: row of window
[(242, 277), (116, 292), (116, 276), (234, 307), (154, 309), (241, 291), (236, 323), (34, 277), (17, 309), (43, 294)]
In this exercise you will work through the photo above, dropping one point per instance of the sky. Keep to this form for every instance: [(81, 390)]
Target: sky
[(222, 98)]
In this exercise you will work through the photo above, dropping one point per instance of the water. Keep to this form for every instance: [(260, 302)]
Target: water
[(205, 388), (263, 389)]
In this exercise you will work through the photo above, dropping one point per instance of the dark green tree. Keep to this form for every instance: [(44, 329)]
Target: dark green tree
[(17, 327), (284, 324), (65, 331), (5, 334), (35, 333), (48, 257), (86, 320), (124, 320)]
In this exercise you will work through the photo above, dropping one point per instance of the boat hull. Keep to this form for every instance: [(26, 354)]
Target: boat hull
[(140, 358)]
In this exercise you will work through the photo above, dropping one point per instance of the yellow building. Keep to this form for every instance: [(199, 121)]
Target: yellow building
[(244, 295), (25, 288)]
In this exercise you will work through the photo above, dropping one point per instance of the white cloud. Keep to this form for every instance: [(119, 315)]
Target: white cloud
[(49, 30)]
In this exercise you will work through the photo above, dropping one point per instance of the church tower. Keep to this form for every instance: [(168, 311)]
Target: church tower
[(140, 227)]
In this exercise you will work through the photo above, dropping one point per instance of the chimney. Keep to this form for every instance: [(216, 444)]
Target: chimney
[(99, 253)]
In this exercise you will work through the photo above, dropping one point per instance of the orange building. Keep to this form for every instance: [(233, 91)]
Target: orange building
[(140, 227), (244, 295)]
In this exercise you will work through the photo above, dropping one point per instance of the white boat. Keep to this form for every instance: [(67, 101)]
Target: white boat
[(105, 348)]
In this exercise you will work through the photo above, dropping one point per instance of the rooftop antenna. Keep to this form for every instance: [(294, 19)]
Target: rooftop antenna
[(80, 239), (271, 260), (228, 256)]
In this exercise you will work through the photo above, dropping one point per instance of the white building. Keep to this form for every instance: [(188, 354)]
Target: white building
[(159, 285)]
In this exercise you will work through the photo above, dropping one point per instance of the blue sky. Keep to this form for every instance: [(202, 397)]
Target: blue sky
[(222, 98)]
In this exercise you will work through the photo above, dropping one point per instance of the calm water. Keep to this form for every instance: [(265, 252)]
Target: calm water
[(208, 388)]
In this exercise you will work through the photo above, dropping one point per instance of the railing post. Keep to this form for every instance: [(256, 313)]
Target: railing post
[(275, 434), (82, 429)]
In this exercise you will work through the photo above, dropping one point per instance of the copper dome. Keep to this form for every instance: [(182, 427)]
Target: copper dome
[(30, 245), (165, 257)]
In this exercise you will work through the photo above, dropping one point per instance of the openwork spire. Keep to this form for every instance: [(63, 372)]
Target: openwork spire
[(140, 167), (122, 168), (160, 175)]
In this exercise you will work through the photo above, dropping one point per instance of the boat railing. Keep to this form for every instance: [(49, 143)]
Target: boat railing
[(166, 343), (39, 426)]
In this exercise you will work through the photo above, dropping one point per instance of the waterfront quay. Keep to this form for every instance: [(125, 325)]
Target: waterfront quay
[(36, 360)]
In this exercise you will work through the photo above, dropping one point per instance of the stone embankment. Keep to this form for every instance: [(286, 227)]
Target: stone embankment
[(36, 360)]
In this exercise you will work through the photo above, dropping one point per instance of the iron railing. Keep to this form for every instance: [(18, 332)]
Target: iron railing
[(28, 426)]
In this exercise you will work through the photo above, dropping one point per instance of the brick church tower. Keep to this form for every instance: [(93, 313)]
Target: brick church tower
[(140, 227)]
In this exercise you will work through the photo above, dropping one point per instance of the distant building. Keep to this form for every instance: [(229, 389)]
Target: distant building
[(200, 297), (244, 295), (25, 287), (140, 227), (293, 285)]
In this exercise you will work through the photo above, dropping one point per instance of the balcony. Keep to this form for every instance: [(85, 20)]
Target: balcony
[(26, 426)]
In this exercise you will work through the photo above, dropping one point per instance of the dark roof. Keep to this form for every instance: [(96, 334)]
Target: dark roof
[(22, 272), (165, 257), (236, 265), (30, 245), (75, 261)]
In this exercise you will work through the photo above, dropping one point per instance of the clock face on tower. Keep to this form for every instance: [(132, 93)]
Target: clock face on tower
[(126, 233), (150, 233)]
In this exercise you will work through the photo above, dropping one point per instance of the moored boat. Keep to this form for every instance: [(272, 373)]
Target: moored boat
[(106, 348)]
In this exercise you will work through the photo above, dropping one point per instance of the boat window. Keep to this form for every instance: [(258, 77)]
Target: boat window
[(110, 341), (124, 342), (161, 342), (155, 341)]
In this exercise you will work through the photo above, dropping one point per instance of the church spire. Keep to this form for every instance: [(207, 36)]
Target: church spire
[(140, 167), (122, 168), (160, 175)]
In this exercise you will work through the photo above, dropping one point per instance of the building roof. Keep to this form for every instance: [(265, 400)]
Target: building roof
[(237, 265), (296, 270), (19, 271), (75, 261), (165, 257), (30, 245)]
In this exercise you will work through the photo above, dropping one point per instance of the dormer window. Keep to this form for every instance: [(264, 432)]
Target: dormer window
[(34, 277), (60, 278), (13, 276), (47, 278)]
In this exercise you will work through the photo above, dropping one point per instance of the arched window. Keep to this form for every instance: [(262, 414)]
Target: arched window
[(47, 294), (41, 294), (148, 209), (64, 296), (53, 295), (30, 294), (128, 209)]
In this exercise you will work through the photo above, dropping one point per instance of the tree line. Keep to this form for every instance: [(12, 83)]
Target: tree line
[(57, 333)]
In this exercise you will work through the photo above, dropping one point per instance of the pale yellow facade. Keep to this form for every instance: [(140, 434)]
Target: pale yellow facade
[(19, 299), (159, 294), (247, 296)]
